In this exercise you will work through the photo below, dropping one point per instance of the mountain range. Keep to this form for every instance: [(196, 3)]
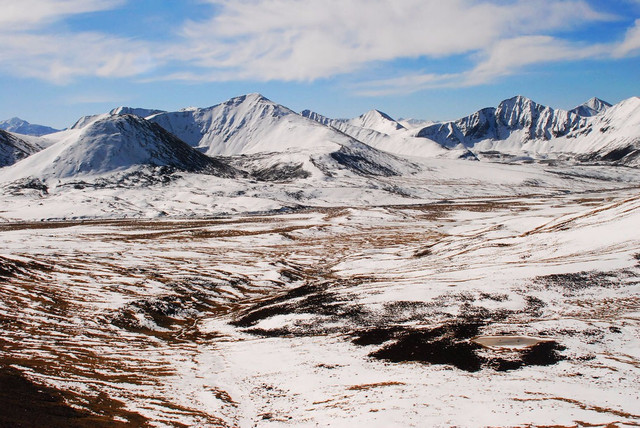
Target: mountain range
[(20, 126), (252, 136)]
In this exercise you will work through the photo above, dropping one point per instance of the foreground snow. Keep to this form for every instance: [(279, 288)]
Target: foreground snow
[(149, 193), (307, 317)]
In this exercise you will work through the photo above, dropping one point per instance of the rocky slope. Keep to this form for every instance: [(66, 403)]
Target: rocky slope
[(13, 148)]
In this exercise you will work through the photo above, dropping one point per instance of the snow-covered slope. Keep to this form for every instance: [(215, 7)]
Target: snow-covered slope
[(14, 148), (591, 108), (114, 143), (88, 120), (613, 136), (252, 124), (374, 120), (401, 143), (20, 126), (378, 121), (247, 124), (521, 127)]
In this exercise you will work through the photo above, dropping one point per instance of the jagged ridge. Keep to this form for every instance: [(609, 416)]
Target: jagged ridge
[(516, 120)]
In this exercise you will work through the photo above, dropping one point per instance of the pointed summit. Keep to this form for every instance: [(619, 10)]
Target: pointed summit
[(591, 108), (232, 127), (377, 121), (19, 126), (518, 112)]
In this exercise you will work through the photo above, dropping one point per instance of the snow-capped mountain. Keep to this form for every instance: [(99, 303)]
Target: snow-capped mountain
[(373, 120), (20, 126), (271, 141), (14, 148), (252, 124), (520, 127), (378, 121), (613, 136), (591, 108), (246, 124), (115, 143), (401, 143), (507, 128)]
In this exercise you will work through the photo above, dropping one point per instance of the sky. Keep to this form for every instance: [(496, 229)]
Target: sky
[(426, 59)]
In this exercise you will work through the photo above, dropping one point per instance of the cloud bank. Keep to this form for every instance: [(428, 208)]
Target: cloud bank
[(306, 40)]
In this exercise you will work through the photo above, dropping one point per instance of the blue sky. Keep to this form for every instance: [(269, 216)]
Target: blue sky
[(431, 59)]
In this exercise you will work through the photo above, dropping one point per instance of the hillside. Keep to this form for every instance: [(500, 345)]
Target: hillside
[(115, 143)]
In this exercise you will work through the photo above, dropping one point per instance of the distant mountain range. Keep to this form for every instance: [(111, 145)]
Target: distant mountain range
[(265, 140), (20, 126)]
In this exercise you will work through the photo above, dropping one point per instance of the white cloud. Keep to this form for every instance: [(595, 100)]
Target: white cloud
[(503, 58), (631, 43), (28, 14), (511, 55), (304, 40), (32, 46), (307, 40), (61, 58)]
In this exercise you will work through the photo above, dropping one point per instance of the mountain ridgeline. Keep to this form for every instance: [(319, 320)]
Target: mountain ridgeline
[(19, 126), (251, 136), (518, 119)]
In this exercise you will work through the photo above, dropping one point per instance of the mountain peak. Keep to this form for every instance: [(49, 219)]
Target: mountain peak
[(116, 143), (518, 100), (377, 121), (256, 96), (591, 108), (252, 98), (20, 126)]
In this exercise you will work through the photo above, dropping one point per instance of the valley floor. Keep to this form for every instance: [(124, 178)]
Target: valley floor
[(335, 316)]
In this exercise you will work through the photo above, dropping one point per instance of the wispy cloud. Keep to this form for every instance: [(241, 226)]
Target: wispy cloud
[(503, 58), (60, 58), (30, 14), (631, 43), (32, 44), (305, 40)]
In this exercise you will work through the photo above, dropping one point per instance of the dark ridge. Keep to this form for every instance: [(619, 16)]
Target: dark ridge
[(13, 149), (187, 158), (579, 280), (281, 173), (360, 164), (24, 404), (626, 153)]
